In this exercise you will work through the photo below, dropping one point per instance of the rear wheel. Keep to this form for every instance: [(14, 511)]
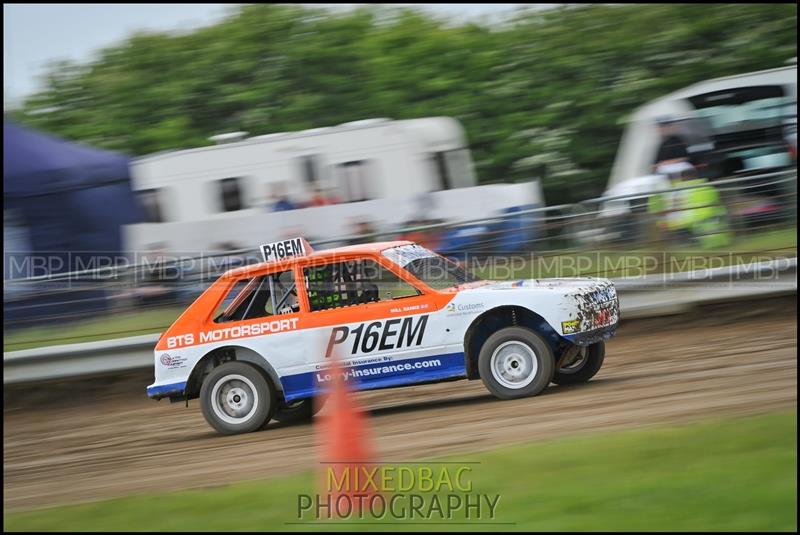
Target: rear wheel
[(585, 366), (300, 410), (237, 398), (515, 362)]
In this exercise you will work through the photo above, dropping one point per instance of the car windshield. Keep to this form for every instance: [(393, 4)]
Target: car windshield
[(434, 270)]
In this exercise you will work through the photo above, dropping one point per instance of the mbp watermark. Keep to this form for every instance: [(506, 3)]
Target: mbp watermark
[(399, 492)]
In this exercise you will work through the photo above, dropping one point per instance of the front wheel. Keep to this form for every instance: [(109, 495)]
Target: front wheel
[(237, 398), (515, 362), (585, 366)]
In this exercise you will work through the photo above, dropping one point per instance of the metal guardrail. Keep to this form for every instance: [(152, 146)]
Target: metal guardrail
[(639, 297), (76, 360)]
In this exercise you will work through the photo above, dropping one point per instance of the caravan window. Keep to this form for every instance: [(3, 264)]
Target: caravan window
[(459, 167), (309, 171), (230, 194), (451, 168), (440, 169), (150, 201), (355, 181)]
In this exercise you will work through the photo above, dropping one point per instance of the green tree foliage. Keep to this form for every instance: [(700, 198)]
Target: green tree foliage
[(543, 94)]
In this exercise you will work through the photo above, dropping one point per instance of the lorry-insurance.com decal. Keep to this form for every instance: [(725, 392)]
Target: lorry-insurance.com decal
[(381, 370)]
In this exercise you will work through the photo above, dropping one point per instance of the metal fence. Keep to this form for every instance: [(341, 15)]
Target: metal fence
[(707, 217)]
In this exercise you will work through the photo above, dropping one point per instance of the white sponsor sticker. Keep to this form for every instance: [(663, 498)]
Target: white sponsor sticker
[(406, 254)]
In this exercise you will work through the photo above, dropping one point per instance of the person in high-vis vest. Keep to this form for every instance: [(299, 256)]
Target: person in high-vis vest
[(691, 213)]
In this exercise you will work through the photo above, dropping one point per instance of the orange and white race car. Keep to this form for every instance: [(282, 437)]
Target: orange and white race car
[(258, 343)]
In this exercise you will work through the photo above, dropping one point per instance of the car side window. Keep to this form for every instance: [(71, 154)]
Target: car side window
[(284, 294), (354, 282), (261, 297)]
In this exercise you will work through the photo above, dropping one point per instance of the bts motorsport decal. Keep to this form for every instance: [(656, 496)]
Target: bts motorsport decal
[(228, 333)]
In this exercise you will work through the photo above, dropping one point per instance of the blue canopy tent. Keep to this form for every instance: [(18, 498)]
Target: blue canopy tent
[(69, 201)]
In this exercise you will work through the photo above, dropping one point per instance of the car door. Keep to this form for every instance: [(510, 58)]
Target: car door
[(266, 317), (375, 322)]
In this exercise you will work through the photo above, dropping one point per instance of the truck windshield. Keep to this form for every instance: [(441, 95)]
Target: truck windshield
[(434, 270)]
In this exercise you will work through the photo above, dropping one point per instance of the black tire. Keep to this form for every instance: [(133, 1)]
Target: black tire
[(221, 415), (530, 384), (300, 410), (585, 369)]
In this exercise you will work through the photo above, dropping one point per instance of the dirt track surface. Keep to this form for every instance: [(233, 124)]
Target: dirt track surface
[(96, 443)]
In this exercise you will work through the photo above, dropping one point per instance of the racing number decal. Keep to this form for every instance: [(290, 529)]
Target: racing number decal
[(283, 249), (381, 335)]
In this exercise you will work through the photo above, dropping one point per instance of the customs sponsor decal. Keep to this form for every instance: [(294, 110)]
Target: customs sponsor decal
[(382, 335), (462, 309)]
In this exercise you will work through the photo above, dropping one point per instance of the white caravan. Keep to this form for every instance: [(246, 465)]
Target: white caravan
[(380, 171)]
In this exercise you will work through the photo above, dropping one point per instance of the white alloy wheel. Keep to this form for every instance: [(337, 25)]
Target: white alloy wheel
[(514, 364), (234, 399)]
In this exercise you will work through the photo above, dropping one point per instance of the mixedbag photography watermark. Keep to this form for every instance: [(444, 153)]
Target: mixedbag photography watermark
[(423, 492)]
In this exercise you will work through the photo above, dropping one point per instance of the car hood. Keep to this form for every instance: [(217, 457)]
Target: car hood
[(587, 291), (567, 285), (582, 310)]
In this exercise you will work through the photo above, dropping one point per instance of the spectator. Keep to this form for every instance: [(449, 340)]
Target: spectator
[(318, 198), (673, 148), (424, 207), (279, 201), (362, 228), (693, 211)]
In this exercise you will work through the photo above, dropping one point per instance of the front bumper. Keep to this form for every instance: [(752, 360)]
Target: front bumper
[(588, 338), (597, 317)]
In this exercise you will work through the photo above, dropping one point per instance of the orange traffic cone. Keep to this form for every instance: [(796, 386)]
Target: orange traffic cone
[(347, 450)]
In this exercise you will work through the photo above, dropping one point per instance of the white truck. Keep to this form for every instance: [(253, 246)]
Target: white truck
[(734, 124)]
